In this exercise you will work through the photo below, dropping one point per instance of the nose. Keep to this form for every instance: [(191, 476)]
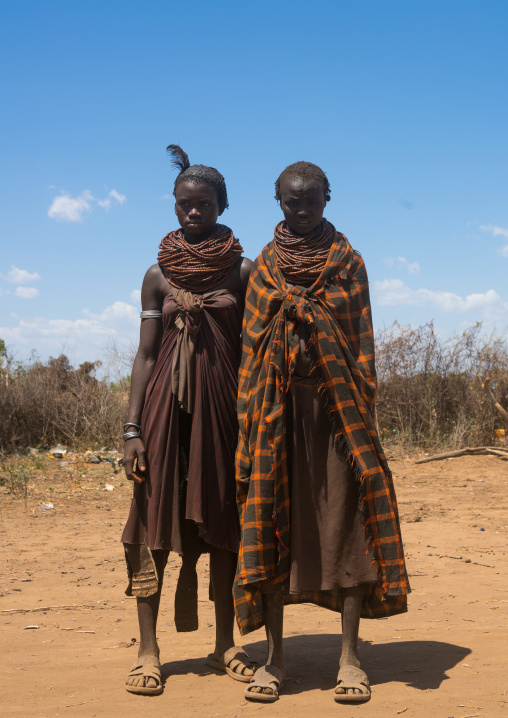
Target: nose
[(303, 212), (194, 212)]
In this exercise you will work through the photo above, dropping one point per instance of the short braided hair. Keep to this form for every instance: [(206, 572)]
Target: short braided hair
[(306, 171), (198, 174)]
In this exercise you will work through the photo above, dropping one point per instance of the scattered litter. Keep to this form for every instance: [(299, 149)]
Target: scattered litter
[(57, 453), (402, 710), (84, 631), (108, 487), (113, 452), (46, 507), (482, 529), (27, 627), (64, 463)]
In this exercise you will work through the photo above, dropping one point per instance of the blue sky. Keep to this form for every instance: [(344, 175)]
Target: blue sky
[(404, 105)]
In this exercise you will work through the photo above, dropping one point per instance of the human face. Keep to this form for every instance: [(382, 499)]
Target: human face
[(303, 203), (197, 209)]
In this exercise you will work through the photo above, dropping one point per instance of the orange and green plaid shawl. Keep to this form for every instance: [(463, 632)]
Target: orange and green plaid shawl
[(334, 315)]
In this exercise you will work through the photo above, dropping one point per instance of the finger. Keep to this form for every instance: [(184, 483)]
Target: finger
[(137, 478), (141, 460), (128, 468)]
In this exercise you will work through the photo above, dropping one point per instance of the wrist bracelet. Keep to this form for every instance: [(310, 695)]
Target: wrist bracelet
[(131, 435), (131, 423)]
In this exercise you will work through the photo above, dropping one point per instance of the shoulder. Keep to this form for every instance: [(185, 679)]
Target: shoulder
[(153, 274), (265, 253), (245, 269), (358, 268), (155, 287)]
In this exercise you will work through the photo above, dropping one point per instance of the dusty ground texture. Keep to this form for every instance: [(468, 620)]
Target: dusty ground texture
[(68, 628)]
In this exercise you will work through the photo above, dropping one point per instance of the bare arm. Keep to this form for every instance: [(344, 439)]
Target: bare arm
[(245, 270), (144, 362)]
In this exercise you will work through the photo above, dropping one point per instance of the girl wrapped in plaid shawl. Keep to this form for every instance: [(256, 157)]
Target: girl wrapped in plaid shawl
[(308, 312)]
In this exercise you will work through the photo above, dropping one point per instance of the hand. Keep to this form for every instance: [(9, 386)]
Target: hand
[(134, 450)]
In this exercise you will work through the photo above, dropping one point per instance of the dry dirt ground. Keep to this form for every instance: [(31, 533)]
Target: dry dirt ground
[(68, 629)]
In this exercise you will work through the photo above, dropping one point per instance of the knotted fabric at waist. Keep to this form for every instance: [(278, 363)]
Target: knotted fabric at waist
[(188, 321)]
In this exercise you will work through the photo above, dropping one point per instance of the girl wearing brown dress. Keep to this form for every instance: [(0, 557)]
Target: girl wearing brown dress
[(181, 430)]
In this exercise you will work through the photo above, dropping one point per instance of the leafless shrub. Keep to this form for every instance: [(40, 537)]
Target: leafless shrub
[(430, 389), (429, 393), (51, 402)]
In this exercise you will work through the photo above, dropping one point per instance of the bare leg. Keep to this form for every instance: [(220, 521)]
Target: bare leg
[(222, 572), (186, 594), (351, 607), (273, 608), (148, 611)]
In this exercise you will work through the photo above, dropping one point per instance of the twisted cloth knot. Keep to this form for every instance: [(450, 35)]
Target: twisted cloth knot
[(190, 307), (297, 308)]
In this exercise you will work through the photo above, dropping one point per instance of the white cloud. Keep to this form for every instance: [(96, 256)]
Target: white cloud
[(136, 295), (497, 231), (494, 230), (84, 338), (66, 208), (403, 263), (21, 276), (26, 292), (113, 195), (393, 292), (3, 292)]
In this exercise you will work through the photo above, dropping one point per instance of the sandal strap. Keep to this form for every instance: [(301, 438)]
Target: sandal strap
[(266, 677), (352, 677), (149, 667), (235, 657)]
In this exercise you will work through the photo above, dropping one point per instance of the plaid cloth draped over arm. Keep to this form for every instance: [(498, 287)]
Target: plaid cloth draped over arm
[(334, 315)]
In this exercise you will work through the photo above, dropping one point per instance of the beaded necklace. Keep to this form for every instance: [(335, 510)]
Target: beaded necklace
[(199, 267), (301, 258)]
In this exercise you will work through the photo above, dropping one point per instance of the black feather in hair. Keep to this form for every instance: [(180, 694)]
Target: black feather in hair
[(179, 158)]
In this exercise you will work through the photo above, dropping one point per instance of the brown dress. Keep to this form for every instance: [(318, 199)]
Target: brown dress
[(328, 546), (196, 372)]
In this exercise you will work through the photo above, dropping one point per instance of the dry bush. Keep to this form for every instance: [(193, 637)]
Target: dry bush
[(430, 389), (51, 402), (429, 393)]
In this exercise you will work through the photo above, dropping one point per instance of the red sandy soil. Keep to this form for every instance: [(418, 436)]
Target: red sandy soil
[(63, 574)]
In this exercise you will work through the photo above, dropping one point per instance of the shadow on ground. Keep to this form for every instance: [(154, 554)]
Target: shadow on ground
[(313, 661)]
